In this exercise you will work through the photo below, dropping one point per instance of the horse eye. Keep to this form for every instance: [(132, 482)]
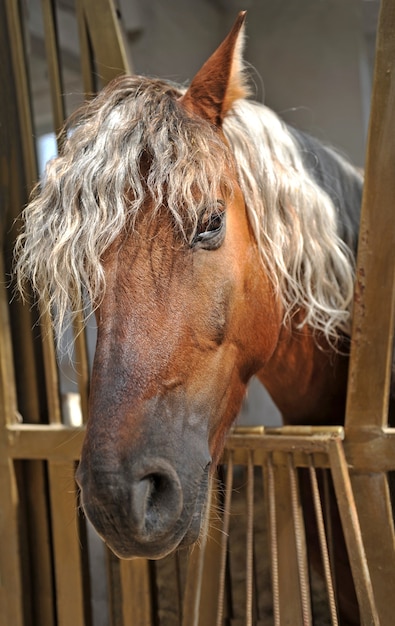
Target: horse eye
[(213, 223), (209, 229)]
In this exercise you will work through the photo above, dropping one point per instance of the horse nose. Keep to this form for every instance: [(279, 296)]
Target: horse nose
[(142, 501), (156, 500)]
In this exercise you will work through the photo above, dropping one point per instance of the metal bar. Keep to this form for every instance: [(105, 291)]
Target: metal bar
[(250, 541), (374, 310), (21, 436), (36, 518), (54, 67), (136, 592), (50, 370), (366, 449), (224, 542), (107, 39), (98, 27), (211, 584), (18, 169), (81, 363), (281, 443), (193, 585), (30, 166), (59, 114), (8, 400), (300, 543), (18, 172), (11, 594), (273, 534), (323, 544), (328, 506), (87, 66), (114, 589), (352, 534), (290, 601), (374, 511), (67, 560), (40, 441), (14, 22), (11, 590), (370, 449)]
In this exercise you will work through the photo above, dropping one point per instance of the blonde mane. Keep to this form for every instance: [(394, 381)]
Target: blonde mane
[(95, 189), (296, 223)]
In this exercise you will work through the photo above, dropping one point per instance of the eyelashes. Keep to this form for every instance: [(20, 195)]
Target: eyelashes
[(210, 231)]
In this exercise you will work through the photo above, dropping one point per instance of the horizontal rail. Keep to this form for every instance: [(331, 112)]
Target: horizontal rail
[(370, 450), (52, 442)]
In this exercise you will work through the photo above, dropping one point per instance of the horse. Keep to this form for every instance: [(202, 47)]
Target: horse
[(214, 243)]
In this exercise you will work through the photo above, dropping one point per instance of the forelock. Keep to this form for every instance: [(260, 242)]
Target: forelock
[(132, 142)]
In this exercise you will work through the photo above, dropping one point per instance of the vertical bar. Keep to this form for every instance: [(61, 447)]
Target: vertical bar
[(224, 541), (87, 66), (30, 167), (273, 534), (373, 505), (289, 599), (14, 25), (352, 535), (59, 114), (211, 577), (300, 543), (34, 481), (323, 543), (50, 370), (374, 316), (8, 400), (81, 363), (107, 39), (374, 310), (67, 558), (18, 172), (98, 27), (80, 343), (54, 68), (250, 540), (193, 586), (114, 589), (136, 592), (11, 591), (328, 504)]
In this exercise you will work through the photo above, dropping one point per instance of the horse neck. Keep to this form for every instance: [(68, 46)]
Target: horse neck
[(306, 378)]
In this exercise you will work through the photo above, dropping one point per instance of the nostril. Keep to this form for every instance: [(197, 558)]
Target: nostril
[(159, 482), (156, 501), (158, 488)]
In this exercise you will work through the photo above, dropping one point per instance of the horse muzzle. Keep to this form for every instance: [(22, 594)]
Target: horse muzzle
[(146, 509)]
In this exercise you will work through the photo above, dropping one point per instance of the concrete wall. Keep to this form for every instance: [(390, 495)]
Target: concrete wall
[(307, 55)]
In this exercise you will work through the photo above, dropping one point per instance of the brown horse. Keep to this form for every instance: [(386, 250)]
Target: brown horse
[(215, 244)]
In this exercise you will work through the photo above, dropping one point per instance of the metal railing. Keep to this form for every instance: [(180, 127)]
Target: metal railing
[(254, 566)]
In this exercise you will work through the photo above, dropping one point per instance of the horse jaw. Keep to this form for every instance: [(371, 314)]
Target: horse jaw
[(221, 80)]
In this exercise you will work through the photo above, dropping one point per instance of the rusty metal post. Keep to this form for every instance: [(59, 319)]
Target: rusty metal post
[(373, 326)]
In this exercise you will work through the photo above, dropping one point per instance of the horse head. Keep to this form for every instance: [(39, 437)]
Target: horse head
[(177, 342), (194, 227)]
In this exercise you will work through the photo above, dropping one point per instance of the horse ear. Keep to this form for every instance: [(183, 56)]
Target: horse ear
[(221, 80)]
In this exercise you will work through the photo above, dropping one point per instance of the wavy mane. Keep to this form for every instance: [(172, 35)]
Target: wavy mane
[(306, 230), (95, 189)]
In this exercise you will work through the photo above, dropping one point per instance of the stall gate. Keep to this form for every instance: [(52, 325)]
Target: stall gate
[(253, 565)]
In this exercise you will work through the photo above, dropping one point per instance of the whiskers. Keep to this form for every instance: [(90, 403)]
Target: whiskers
[(219, 511)]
